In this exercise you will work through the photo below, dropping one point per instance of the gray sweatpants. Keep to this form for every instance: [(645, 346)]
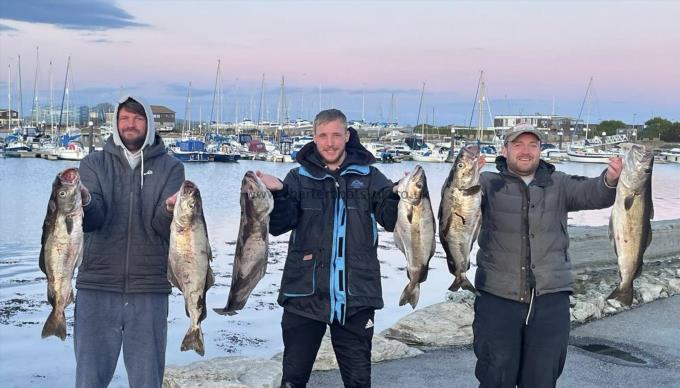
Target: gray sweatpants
[(106, 320)]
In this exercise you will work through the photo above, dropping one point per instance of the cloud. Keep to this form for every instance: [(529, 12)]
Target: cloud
[(180, 89), (6, 28), (69, 14)]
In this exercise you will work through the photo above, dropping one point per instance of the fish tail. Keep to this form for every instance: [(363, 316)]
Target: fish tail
[(55, 325), (461, 281), (623, 293), (411, 294), (194, 340), (225, 311)]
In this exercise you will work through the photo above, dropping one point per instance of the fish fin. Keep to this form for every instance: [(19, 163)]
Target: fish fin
[(209, 278), (623, 294), (651, 211), (628, 201), (472, 190), (41, 260), (411, 294), (612, 239), (194, 340), (69, 225), (55, 325), (462, 282), (649, 237)]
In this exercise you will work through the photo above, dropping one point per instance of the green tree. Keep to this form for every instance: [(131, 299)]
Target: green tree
[(610, 126), (655, 127), (672, 133)]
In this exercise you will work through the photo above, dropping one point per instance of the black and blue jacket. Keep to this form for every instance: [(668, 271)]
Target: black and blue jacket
[(332, 268)]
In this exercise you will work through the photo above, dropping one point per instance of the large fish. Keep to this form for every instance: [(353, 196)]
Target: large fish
[(629, 227), (189, 261), (414, 232), (62, 247), (252, 247), (460, 214)]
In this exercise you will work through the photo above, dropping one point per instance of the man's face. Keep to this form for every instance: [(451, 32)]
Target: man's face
[(330, 139), (523, 154), (132, 129)]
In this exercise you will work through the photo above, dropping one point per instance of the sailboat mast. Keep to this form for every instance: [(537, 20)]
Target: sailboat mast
[(21, 100), (363, 106), (259, 116), (9, 97), (51, 102), (420, 105), (63, 96), (590, 84), (482, 100), (35, 109)]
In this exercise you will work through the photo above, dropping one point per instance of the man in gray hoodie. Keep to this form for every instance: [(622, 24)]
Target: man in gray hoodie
[(122, 298)]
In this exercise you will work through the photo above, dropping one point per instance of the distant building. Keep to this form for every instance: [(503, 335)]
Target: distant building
[(565, 125), (83, 114), (4, 118), (164, 118)]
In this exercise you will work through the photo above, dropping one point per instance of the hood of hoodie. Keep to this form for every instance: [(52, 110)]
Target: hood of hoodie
[(150, 125), (310, 158)]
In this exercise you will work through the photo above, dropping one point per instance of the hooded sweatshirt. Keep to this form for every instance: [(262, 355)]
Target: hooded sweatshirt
[(126, 224)]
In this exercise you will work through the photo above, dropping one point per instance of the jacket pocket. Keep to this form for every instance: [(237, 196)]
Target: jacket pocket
[(363, 275), (299, 277)]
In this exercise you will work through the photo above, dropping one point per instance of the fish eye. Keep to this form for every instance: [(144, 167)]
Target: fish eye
[(62, 194), (460, 165)]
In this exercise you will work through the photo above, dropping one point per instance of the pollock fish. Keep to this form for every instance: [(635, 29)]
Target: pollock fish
[(629, 225), (62, 247), (460, 214), (252, 246), (189, 261), (414, 232)]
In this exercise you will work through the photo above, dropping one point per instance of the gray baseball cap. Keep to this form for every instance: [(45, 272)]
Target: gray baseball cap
[(519, 129)]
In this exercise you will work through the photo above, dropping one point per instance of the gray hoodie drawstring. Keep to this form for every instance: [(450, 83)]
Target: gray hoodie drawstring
[(531, 305)]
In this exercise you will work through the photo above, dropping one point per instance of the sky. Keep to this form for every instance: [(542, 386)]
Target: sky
[(537, 56)]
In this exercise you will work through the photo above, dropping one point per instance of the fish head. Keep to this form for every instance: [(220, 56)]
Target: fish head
[(66, 190), (189, 203), (413, 186), (637, 165), (466, 167), (256, 195)]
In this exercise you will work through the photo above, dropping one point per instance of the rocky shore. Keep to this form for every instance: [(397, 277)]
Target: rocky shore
[(449, 323)]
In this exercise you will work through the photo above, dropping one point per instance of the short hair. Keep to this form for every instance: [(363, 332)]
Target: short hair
[(328, 115), (132, 106)]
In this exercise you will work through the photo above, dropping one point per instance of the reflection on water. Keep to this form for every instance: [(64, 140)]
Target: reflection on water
[(24, 191)]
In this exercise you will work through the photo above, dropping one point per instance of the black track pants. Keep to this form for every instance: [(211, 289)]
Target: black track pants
[(511, 352), (351, 343)]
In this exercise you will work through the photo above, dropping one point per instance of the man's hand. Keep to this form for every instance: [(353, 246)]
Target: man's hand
[(481, 162), (85, 196), (614, 170), (170, 203), (271, 182)]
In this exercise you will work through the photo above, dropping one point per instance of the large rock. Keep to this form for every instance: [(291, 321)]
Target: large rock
[(382, 349), (583, 310), (649, 291), (441, 324), (224, 372)]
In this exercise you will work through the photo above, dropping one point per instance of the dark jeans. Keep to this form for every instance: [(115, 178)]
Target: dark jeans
[(105, 321), (351, 343), (510, 352)]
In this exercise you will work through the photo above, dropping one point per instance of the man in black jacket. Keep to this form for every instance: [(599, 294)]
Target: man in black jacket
[(521, 325), (332, 275), (122, 284)]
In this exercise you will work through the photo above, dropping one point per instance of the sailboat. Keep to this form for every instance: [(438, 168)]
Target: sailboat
[(589, 150), (223, 151), (189, 149), (16, 145), (425, 154)]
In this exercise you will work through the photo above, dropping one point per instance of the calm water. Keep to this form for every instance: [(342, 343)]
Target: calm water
[(25, 184)]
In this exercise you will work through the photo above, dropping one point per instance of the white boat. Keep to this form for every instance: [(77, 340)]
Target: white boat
[(72, 151), (672, 156), (429, 155), (590, 155)]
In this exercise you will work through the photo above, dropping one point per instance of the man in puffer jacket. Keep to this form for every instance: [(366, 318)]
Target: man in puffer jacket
[(122, 298), (521, 325), (332, 204)]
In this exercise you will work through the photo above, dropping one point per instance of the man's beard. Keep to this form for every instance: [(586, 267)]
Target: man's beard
[(134, 144)]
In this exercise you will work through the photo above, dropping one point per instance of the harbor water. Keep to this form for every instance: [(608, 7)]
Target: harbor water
[(25, 184)]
